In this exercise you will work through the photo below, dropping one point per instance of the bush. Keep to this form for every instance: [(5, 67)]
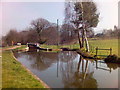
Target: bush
[(112, 59)]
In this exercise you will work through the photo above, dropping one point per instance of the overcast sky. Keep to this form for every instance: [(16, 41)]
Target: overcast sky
[(18, 15)]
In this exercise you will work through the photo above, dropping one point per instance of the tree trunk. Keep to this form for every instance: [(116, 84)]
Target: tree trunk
[(83, 39), (86, 42), (79, 40), (84, 31), (39, 39)]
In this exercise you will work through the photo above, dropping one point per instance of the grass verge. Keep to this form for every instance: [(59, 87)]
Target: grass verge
[(21, 48), (14, 75)]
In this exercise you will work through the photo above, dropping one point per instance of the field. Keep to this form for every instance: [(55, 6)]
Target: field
[(103, 44), (14, 75)]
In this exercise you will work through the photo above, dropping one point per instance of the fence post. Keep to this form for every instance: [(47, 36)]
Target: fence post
[(96, 51), (110, 51)]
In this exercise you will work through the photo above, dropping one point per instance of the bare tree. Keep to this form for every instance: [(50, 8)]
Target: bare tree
[(50, 35), (39, 25), (68, 35), (12, 37), (70, 16)]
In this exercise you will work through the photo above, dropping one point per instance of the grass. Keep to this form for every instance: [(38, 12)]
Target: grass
[(73, 46), (14, 75), (21, 48), (103, 44)]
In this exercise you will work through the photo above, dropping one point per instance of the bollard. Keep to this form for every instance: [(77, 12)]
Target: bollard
[(110, 51)]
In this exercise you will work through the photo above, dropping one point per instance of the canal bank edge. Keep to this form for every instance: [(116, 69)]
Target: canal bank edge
[(42, 82)]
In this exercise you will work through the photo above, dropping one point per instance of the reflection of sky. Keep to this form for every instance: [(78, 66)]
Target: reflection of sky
[(19, 15)]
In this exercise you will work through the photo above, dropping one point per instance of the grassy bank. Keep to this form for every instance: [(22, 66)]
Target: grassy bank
[(104, 44), (14, 75), (23, 47)]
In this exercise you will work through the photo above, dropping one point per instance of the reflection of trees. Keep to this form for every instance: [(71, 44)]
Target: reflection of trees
[(109, 66), (113, 66), (67, 56), (42, 60), (76, 75), (16, 54)]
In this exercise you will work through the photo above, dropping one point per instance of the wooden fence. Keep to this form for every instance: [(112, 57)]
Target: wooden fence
[(97, 49)]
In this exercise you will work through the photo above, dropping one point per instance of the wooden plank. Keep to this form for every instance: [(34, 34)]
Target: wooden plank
[(103, 49)]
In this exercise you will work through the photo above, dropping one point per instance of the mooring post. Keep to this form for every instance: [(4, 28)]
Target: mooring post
[(110, 51), (96, 51), (58, 31)]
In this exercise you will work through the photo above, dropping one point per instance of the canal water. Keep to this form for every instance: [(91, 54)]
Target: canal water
[(68, 69)]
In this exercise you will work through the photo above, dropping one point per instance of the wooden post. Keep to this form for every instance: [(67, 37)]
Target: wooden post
[(58, 31), (110, 51), (96, 51)]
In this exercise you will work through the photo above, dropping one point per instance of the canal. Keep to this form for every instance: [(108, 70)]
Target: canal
[(67, 69)]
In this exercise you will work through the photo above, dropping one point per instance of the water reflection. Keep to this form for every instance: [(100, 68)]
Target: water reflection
[(42, 60), (66, 69), (113, 66), (77, 78)]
